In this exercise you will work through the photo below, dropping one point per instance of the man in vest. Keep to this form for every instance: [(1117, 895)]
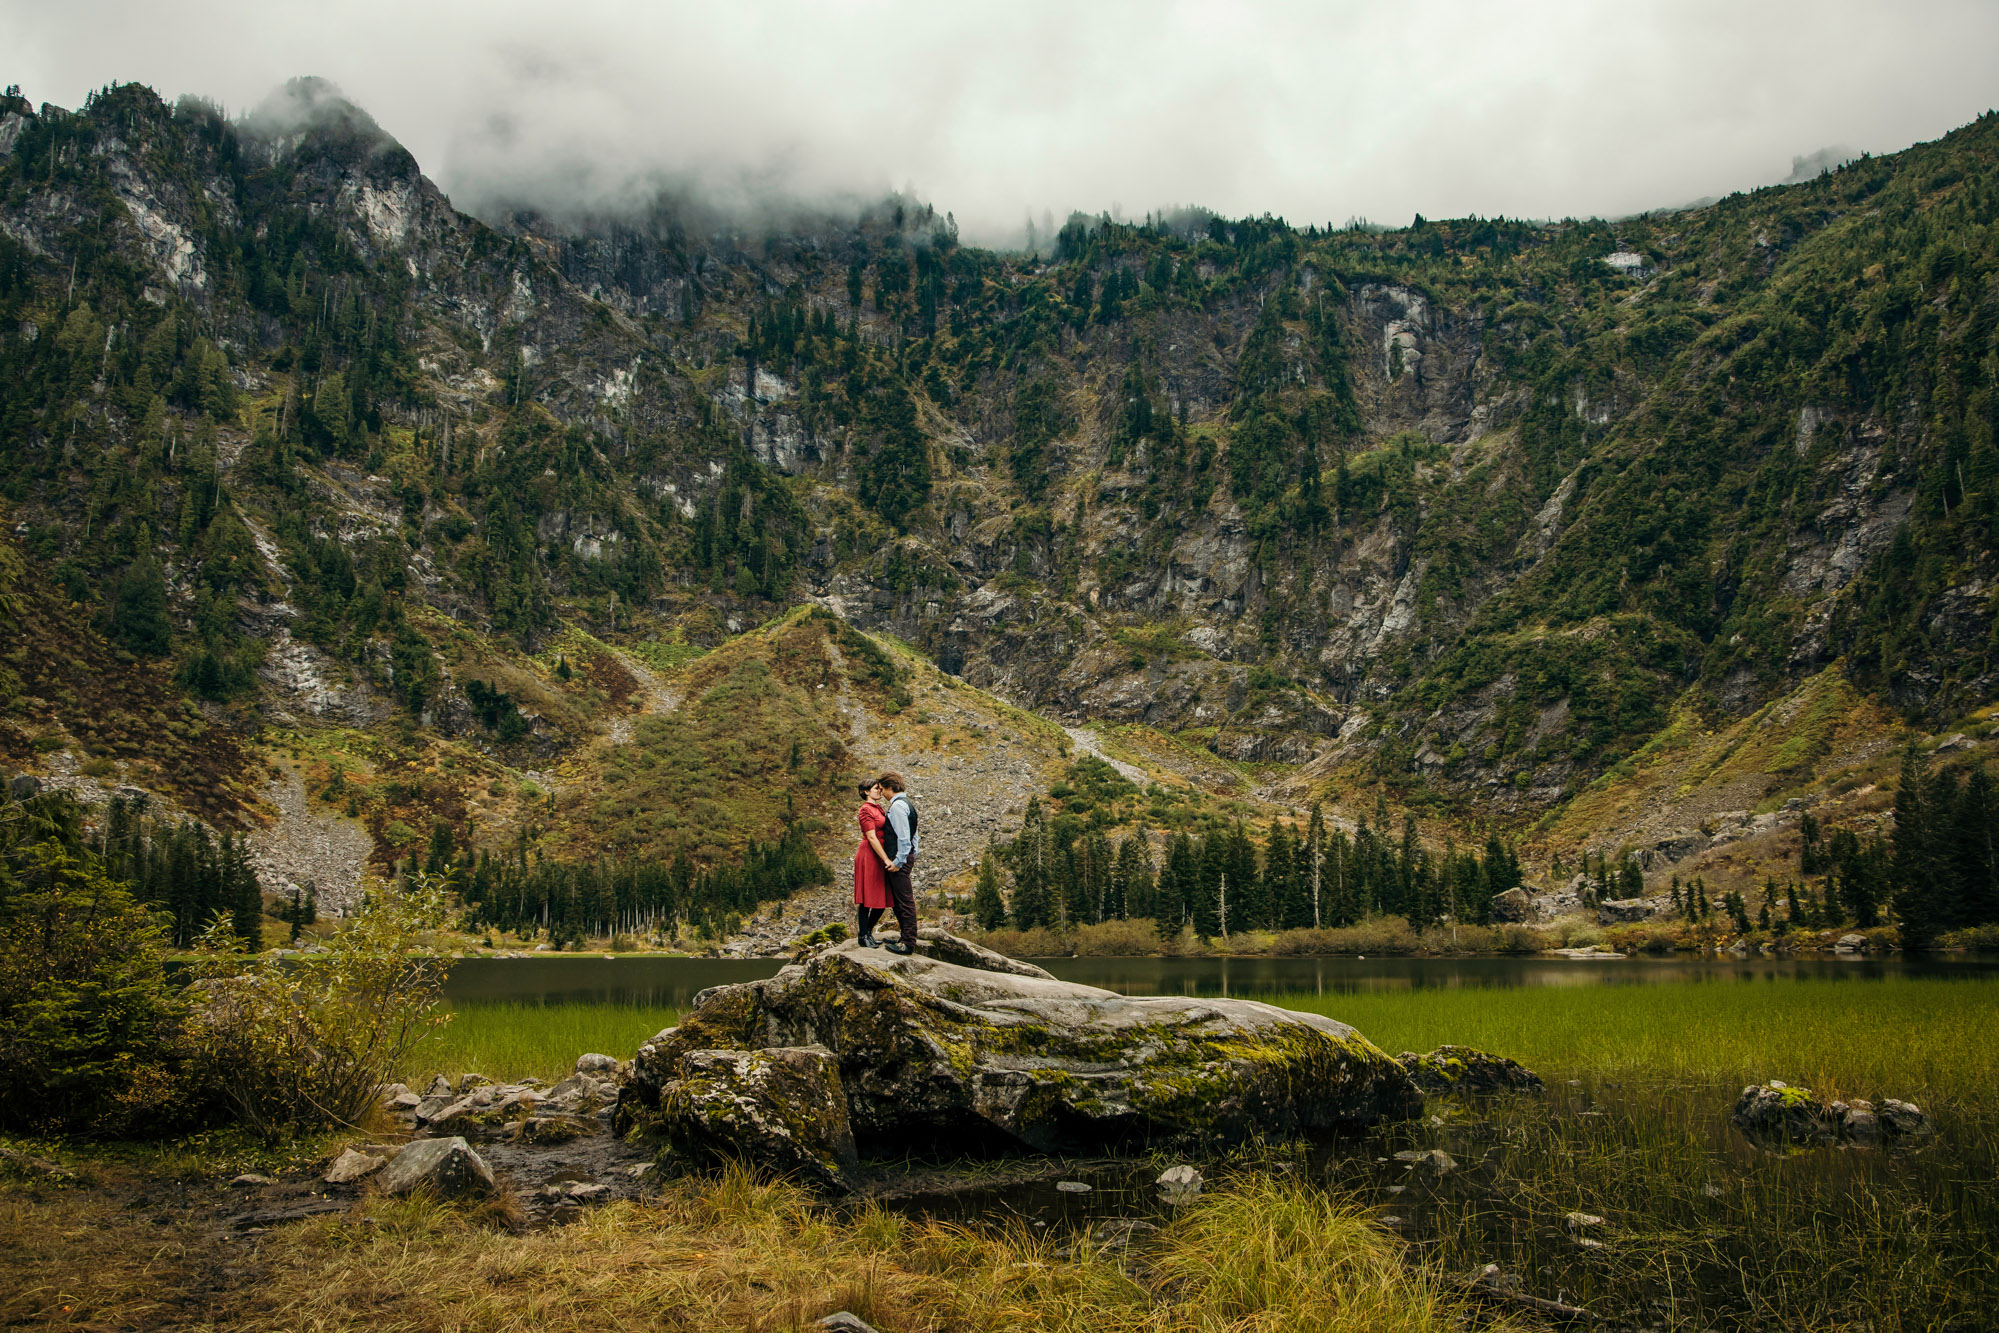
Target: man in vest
[(902, 842)]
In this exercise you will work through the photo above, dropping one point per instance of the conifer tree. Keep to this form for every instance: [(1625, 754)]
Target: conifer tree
[(988, 904)]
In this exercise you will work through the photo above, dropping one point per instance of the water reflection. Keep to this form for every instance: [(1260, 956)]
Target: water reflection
[(674, 982)]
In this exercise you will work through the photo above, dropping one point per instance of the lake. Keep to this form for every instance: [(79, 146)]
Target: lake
[(674, 982)]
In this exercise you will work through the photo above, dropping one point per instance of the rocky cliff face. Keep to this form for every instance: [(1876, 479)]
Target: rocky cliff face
[(1474, 502)]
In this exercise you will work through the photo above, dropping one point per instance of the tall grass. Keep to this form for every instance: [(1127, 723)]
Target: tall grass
[(511, 1041)]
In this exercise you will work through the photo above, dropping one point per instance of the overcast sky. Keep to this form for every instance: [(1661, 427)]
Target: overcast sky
[(1316, 112)]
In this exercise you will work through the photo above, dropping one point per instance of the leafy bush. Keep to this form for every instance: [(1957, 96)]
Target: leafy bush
[(307, 1041)]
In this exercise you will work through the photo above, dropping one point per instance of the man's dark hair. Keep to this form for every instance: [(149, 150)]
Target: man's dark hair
[(893, 781)]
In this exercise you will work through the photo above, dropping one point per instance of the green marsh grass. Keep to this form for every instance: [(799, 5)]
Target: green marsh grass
[(1702, 1228), (512, 1040), (1922, 1040)]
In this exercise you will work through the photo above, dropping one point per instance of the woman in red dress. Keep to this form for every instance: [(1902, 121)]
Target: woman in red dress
[(870, 883)]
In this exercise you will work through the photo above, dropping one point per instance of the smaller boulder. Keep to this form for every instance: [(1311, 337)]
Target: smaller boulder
[(595, 1063), (1623, 911), (843, 1321), (1776, 1113), (1436, 1158), (1513, 907), (782, 1110), (1851, 942), (1180, 1184), (1903, 1120), (351, 1166), (1461, 1069), (448, 1166)]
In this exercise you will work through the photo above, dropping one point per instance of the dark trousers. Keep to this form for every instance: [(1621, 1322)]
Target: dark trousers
[(902, 892)]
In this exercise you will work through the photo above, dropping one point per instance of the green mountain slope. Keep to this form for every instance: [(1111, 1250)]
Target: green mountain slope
[(1476, 507)]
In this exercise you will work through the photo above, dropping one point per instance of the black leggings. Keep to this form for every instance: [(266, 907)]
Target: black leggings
[(866, 917)]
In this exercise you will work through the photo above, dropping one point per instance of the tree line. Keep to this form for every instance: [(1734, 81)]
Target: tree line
[(1222, 882), (569, 900), (182, 870)]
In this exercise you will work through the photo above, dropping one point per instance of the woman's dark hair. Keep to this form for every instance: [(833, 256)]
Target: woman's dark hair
[(866, 785)]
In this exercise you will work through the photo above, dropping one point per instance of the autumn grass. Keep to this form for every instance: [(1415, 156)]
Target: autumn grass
[(508, 1040), (727, 1253)]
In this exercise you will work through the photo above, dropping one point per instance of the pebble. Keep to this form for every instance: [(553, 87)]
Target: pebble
[(1072, 1187)]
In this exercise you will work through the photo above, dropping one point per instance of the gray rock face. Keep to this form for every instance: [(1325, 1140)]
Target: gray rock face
[(939, 1054), (448, 1166), (1513, 907), (1623, 911), (783, 1110), (1460, 1069)]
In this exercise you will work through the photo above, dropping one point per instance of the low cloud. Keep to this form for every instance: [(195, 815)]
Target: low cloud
[(1002, 112)]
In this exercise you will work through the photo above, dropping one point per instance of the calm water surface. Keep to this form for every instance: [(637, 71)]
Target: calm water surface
[(674, 982)]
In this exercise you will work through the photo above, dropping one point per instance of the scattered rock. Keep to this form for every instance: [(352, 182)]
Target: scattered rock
[(1589, 953), (1001, 1059), (468, 1082), (1462, 1069), (1581, 1221), (840, 1321), (595, 1063), (1072, 1187), (1778, 1114), (782, 1110), (440, 1087), (1179, 1184), (351, 1166), (545, 1131), (1851, 942), (448, 1166), (252, 1178), (1588, 1244), (1435, 1157), (1513, 907)]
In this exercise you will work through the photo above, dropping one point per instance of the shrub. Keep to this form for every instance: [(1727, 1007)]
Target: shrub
[(1978, 939), (1117, 939), (307, 1041), (1384, 936)]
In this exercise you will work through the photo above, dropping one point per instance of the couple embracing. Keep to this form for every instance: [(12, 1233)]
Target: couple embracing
[(885, 860)]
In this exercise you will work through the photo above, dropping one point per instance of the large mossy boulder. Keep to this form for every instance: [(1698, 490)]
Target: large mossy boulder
[(781, 1110), (956, 1050)]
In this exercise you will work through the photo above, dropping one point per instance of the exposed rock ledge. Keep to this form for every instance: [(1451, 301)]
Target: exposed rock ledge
[(957, 1050)]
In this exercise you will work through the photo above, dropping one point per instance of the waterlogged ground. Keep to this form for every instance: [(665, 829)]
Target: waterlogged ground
[(1699, 1228)]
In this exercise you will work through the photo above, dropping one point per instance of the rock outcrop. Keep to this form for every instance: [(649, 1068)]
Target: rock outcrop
[(783, 1108), (956, 1049)]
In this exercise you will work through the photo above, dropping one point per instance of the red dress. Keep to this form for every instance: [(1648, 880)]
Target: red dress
[(870, 884)]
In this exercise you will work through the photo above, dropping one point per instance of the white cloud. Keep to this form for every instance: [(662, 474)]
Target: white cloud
[(1312, 111)]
